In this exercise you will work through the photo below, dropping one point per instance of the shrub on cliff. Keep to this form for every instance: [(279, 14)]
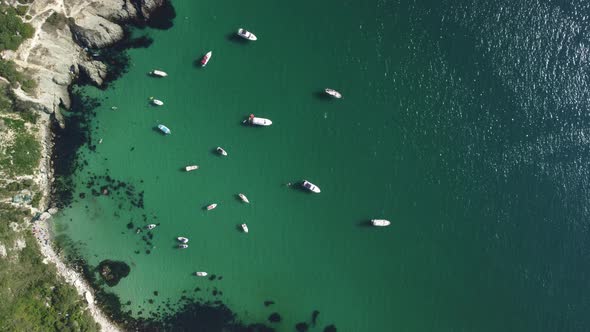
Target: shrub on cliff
[(12, 29), (16, 78)]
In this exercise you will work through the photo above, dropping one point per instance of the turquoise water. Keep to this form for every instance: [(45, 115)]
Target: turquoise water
[(461, 123)]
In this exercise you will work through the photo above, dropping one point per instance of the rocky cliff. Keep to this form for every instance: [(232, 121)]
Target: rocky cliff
[(65, 30)]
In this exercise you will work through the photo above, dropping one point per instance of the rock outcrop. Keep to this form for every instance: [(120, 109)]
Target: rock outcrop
[(59, 50)]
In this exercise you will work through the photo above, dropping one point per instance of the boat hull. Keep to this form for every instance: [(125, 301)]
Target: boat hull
[(206, 58), (333, 93), (158, 73), (164, 129), (191, 168), (247, 35), (245, 228), (311, 187), (244, 198), (380, 222), (211, 207)]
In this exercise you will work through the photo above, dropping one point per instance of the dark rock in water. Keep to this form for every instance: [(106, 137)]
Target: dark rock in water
[(148, 251), (330, 328), (130, 225), (214, 292), (267, 303), (274, 317), (302, 327), (128, 303), (258, 328), (82, 195), (314, 317), (212, 277), (219, 277), (156, 293), (150, 301), (113, 271)]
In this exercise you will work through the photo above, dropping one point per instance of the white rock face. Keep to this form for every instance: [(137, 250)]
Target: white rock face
[(55, 54)]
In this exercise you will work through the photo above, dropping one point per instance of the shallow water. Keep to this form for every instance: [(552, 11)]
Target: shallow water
[(463, 123)]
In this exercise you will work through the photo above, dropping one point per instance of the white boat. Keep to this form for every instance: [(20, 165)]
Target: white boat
[(183, 246), (246, 34), (258, 121), (221, 151), (157, 102), (164, 129), (191, 168), (380, 222), (333, 93), (182, 239), (245, 228), (201, 274), (158, 73), (211, 207), (206, 58), (311, 187), (243, 198), (151, 226)]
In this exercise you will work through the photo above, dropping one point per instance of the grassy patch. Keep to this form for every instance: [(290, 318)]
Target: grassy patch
[(16, 78), (13, 31), (20, 156)]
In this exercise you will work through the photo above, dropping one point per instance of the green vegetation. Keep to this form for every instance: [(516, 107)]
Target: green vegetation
[(12, 29), (57, 20), (21, 154), (22, 10), (33, 299), (16, 78)]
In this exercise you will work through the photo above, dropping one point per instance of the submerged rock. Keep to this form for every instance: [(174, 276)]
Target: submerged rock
[(302, 327), (274, 317), (113, 271)]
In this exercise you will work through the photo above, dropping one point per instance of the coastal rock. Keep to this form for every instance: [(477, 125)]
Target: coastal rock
[(95, 70), (94, 31), (44, 216), (113, 271), (53, 210)]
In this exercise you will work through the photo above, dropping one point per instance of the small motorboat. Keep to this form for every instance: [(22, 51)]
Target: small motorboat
[(151, 226), (201, 274), (191, 168), (157, 102), (258, 121), (182, 239), (380, 222), (245, 228), (164, 129), (311, 187), (244, 198), (246, 34), (221, 151), (206, 58), (183, 246), (333, 93), (211, 207), (158, 73)]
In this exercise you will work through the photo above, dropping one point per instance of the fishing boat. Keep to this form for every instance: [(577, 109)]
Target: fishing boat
[(157, 102), (158, 73), (151, 226), (164, 129), (201, 274), (333, 93), (182, 239), (245, 228), (311, 187), (183, 246), (191, 168), (380, 222), (244, 198), (211, 207), (221, 151), (258, 121), (206, 58), (246, 34)]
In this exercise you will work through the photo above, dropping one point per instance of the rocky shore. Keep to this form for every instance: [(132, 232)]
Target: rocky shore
[(67, 32)]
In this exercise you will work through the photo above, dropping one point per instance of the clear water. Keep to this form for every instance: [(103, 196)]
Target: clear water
[(464, 123)]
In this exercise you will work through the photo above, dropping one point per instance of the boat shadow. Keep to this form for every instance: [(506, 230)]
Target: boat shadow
[(233, 37), (239, 228), (321, 95), (364, 224)]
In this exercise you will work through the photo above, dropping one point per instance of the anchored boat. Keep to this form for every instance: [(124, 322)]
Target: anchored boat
[(183, 246), (157, 102), (333, 93), (211, 207), (182, 239), (245, 228), (380, 222), (201, 274), (244, 198), (258, 121), (311, 187), (151, 226), (206, 58), (164, 129), (246, 34), (158, 73), (221, 151), (191, 168)]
